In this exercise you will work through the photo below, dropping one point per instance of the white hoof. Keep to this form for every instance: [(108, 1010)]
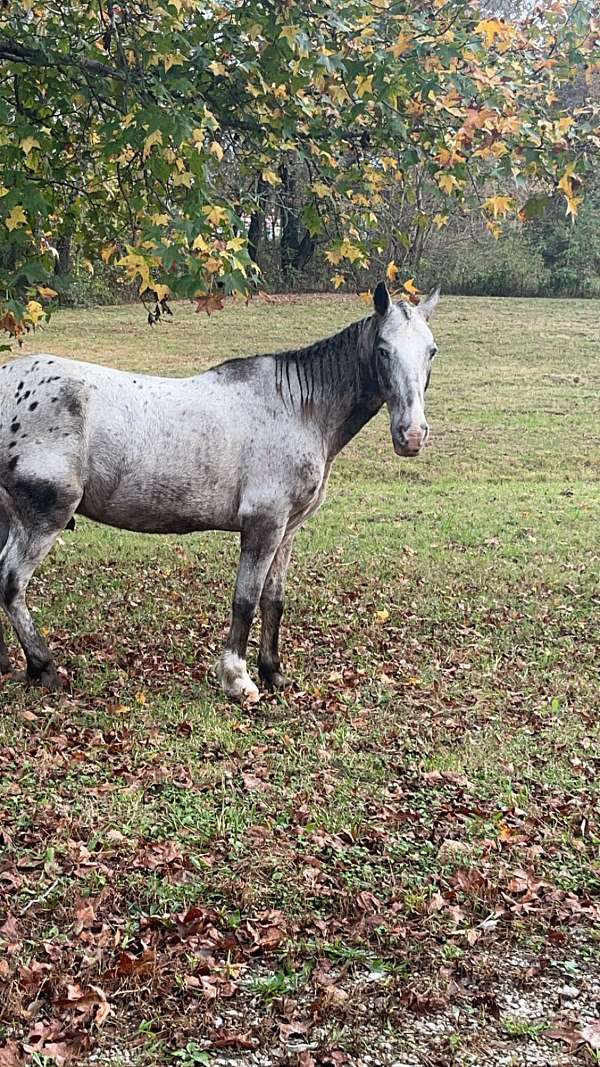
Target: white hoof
[(235, 680)]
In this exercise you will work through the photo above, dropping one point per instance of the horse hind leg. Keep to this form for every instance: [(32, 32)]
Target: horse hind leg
[(4, 532), (24, 550)]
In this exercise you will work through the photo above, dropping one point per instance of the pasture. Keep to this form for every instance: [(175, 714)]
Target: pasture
[(397, 860)]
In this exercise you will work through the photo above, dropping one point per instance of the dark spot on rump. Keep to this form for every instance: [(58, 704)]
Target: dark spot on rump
[(13, 444), (33, 406), (20, 386), (37, 495), (15, 426), (54, 399), (12, 463)]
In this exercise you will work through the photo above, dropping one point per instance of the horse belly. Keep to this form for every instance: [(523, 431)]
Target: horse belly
[(166, 500)]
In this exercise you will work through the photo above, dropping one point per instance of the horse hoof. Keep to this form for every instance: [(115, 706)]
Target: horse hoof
[(274, 679), (48, 678), (235, 680)]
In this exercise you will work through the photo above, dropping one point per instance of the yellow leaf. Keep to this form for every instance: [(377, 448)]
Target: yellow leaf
[(392, 271), (364, 85), (410, 287), (200, 244), (34, 311), (217, 150), (215, 215), (498, 205), (172, 61), (496, 30), (4, 191), (290, 33), (564, 124), (46, 292), (366, 297), (440, 220), (16, 218), (383, 615), (447, 182), (401, 46), (351, 252), (217, 68), (337, 280), (162, 291), (573, 203), (135, 264), (320, 189), (29, 143), (153, 139), (236, 244), (186, 179), (159, 219), (107, 253), (271, 177)]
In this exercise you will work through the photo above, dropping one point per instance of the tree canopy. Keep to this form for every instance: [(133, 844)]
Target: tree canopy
[(148, 129)]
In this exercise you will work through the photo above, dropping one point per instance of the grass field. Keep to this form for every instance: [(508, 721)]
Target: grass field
[(397, 861)]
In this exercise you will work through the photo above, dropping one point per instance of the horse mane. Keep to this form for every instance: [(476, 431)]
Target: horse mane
[(324, 370)]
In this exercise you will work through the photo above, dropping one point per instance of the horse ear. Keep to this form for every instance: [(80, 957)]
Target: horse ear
[(381, 299), (427, 306)]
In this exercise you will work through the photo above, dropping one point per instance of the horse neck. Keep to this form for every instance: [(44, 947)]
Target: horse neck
[(334, 383)]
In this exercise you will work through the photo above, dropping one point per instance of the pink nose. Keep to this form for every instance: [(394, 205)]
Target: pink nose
[(416, 437)]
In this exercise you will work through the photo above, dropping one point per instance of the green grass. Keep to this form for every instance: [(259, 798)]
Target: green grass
[(440, 739)]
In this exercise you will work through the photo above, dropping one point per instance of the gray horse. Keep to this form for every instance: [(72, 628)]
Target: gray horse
[(245, 446)]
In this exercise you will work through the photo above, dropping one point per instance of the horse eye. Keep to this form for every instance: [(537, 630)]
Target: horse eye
[(433, 351)]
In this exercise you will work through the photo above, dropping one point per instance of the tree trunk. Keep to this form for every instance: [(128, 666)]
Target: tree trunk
[(64, 262), (290, 242)]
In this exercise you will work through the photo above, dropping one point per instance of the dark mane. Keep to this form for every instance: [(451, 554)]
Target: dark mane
[(326, 368)]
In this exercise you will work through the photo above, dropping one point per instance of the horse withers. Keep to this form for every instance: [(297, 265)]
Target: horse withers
[(246, 446)]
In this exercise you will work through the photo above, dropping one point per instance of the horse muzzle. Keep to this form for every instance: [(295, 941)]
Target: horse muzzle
[(409, 443)]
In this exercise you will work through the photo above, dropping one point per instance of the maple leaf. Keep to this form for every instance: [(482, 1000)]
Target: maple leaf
[(364, 84), (34, 312), (217, 68), (217, 150), (209, 302), (498, 205), (46, 292), (447, 182), (337, 280), (28, 144), (214, 214), (392, 271), (153, 139), (16, 218), (401, 45)]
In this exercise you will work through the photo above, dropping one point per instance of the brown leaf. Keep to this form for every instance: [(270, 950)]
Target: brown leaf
[(230, 1040), (10, 1055), (209, 302), (294, 1029), (136, 965), (591, 1033)]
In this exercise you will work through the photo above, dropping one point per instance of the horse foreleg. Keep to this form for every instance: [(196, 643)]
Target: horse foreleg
[(259, 545), (271, 607)]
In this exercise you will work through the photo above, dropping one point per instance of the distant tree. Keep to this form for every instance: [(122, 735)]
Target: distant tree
[(122, 123)]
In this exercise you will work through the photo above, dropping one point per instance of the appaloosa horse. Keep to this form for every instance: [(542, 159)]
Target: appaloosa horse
[(245, 446)]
